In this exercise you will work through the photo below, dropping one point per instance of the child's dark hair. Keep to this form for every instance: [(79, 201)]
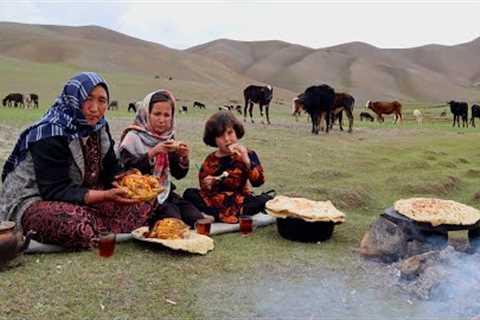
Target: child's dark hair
[(160, 96), (218, 123)]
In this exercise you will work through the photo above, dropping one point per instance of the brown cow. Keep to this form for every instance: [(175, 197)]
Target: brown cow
[(343, 102), (386, 107), (297, 105)]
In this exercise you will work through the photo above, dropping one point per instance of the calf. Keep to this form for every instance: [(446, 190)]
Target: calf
[(459, 110), (297, 105), (366, 116), (418, 116), (184, 109), (199, 105), (475, 114), (343, 102)]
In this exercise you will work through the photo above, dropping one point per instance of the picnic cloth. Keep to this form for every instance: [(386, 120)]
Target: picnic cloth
[(259, 220)]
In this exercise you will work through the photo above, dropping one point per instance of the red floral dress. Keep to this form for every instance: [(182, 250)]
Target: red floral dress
[(228, 195)]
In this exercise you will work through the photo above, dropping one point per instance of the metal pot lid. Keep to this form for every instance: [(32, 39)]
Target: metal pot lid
[(6, 225)]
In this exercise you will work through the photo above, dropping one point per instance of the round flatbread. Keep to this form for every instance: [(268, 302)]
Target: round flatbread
[(306, 209), (437, 211)]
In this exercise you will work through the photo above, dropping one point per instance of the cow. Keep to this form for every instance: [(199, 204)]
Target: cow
[(475, 114), (459, 109), (418, 116), (13, 100), (366, 116), (199, 105), (257, 94), (239, 109), (297, 105), (386, 107), (343, 102), (318, 102), (184, 109), (132, 107), (34, 99), (443, 114), (113, 105)]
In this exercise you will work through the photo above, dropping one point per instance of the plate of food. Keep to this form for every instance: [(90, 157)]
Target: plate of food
[(140, 187), (174, 234)]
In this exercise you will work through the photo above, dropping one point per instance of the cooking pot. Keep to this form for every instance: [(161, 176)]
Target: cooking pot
[(12, 242), (304, 231)]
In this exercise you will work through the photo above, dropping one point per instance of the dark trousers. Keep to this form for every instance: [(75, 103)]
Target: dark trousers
[(176, 207), (251, 205)]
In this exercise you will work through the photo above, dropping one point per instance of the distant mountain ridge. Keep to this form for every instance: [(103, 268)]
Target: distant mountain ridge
[(432, 73)]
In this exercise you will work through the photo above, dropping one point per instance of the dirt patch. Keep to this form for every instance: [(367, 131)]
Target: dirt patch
[(328, 174), (350, 198), (473, 173), (443, 187)]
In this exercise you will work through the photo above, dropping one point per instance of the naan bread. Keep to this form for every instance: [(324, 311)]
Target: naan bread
[(301, 208), (437, 211)]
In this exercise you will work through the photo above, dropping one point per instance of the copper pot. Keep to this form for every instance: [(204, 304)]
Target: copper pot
[(12, 242)]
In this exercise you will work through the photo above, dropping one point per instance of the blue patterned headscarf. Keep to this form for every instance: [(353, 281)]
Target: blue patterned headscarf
[(64, 118)]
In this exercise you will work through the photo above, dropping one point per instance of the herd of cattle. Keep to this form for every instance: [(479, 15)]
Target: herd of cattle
[(28, 100), (321, 102)]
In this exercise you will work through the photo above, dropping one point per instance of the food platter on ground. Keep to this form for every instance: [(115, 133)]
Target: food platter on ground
[(305, 209), (193, 242), (169, 229), (437, 211), (140, 187)]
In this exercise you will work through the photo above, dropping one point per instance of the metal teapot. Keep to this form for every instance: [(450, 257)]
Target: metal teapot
[(12, 242)]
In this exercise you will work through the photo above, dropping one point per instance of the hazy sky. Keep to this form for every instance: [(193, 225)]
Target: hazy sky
[(316, 24)]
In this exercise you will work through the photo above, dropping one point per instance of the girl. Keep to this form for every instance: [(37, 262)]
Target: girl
[(148, 145), (225, 173)]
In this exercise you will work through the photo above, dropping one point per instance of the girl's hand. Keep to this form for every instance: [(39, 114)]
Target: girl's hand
[(240, 151), (209, 181), (183, 150)]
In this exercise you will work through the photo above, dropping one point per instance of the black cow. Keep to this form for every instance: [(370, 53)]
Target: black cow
[(184, 109), (34, 99), (113, 105), (475, 114), (366, 116), (459, 109), (13, 100), (318, 102), (239, 109), (199, 105), (257, 94), (343, 102), (132, 107)]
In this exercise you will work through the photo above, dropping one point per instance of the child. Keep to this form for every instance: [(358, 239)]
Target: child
[(225, 173), (148, 145)]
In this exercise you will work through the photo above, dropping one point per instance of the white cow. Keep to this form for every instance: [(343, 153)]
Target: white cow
[(418, 116)]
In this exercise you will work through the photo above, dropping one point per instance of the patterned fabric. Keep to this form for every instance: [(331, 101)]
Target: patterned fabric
[(64, 118), (229, 194), (92, 155), (139, 137), (73, 226)]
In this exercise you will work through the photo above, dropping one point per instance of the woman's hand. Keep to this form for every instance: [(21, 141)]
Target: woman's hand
[(241, 152), (183, 150), (166, 146), (118, 195)]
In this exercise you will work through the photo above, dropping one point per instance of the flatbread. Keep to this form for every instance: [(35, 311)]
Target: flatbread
[(193, 243), (437, 211), (306, 209)]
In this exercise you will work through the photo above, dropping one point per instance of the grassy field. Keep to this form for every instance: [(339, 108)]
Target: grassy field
[(362, 173)]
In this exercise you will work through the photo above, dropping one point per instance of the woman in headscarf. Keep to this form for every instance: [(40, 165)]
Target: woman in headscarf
[(58, 179), (148, 145)]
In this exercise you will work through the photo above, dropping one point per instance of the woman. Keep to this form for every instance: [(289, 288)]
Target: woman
[(149, 145), (58, 179)]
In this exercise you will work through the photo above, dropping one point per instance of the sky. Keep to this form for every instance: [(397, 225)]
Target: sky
[(315, 24)]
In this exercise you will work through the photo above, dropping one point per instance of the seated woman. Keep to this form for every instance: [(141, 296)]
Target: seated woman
[(225, 173), (148, 145), (58, 179)]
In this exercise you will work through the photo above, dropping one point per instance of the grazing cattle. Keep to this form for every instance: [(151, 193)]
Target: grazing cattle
[(366, 116), (318, 102), (297, 105), (257, 94), (239, 109), (13, 100), (184, 109), (443, 114), (475, 114), (418, 116), (132, 107), (386, 107), (113, 105), (343, 102), (199, 105), (459, 109), (34, 99)]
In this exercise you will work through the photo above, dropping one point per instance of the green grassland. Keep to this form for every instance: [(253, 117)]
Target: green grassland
[(362, 173)]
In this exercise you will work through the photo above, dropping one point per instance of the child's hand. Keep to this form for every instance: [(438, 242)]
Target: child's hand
[(240, 151), (209, 181)]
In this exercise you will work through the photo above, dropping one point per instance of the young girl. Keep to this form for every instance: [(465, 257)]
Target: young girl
[(148, 145), (225, 173)]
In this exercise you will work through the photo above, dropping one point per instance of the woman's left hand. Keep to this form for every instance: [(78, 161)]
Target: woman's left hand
[(183, 150)]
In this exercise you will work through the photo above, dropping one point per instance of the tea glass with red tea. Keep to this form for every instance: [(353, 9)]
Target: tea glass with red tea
[(246, 225), (203, 226), (105, 243)]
